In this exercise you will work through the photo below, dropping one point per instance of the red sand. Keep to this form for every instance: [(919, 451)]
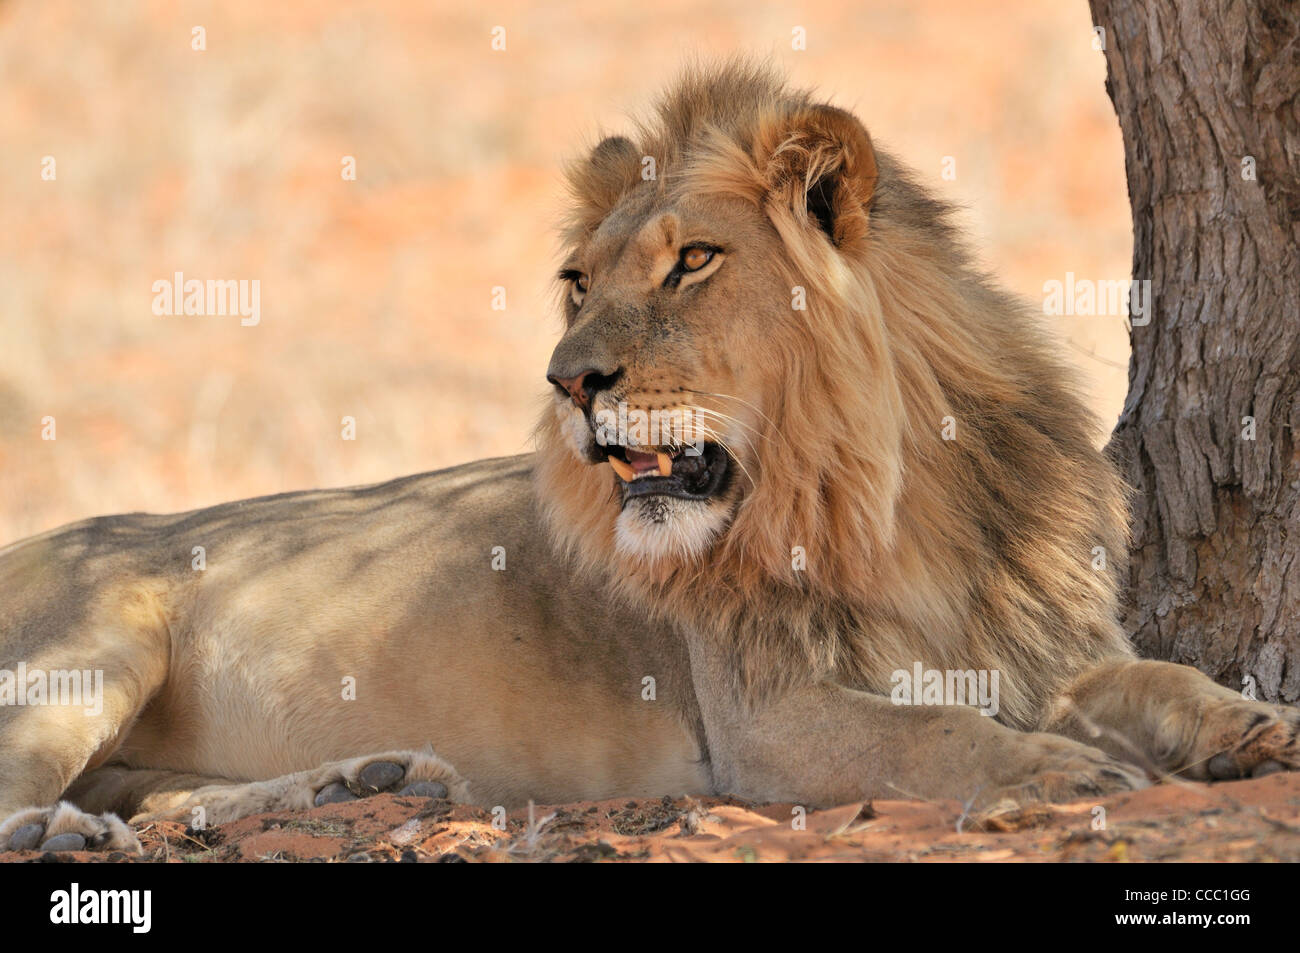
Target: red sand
[(1256, 820)]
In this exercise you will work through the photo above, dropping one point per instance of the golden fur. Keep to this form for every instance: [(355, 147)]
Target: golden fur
[(537, 629), (970, 553)]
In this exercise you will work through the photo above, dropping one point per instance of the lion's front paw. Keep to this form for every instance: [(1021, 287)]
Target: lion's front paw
[(412, 773), (65, 827), (1057, 769), (1237, 738)]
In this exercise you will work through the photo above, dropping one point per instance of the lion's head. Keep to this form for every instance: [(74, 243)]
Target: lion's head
[(771, 335), (693, 351)]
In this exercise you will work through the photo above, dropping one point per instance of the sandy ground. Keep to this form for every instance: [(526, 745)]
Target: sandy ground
[(1256, 820)]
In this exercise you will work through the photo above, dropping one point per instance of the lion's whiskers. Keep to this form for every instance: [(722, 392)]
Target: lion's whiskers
[(775, 429), (710, 432)]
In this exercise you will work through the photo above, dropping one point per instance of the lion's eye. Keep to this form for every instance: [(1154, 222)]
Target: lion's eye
[(577, 284), (693, 259)]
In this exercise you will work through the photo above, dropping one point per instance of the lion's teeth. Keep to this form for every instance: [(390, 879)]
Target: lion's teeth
[(665, 464), (624, 470)]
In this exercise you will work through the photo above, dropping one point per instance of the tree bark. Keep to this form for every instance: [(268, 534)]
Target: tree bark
[(1203, 90)]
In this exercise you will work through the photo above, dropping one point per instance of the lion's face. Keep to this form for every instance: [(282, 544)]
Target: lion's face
[(667, 305), (722, 386)]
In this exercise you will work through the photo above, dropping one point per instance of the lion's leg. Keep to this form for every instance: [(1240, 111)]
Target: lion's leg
[(1176, 719), (98, 675), (89, 814), (821, 744), (414, 773), (88, 817), (44, 747), (826, 744), (129, 792)]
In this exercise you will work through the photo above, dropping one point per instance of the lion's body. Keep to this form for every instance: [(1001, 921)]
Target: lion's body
[(522, 679), (892, 473)]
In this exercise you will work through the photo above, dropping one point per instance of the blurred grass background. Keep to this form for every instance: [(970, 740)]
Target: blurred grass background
[(376, 294)]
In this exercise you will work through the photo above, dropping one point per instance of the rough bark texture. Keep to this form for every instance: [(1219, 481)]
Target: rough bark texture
[(1214, 577)]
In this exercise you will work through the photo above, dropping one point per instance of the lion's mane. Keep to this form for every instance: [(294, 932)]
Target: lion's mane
[(976, 552)]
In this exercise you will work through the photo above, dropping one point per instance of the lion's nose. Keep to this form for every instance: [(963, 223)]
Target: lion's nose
[(574, 386), (585, 385)]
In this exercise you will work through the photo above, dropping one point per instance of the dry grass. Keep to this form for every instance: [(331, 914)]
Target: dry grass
[(376, 293)]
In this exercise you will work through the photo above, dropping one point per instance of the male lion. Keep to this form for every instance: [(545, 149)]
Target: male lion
[(888, 469)]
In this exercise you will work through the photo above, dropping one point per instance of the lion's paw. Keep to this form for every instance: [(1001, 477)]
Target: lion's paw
[(65, 827), (1238, 738), (412, 773), (1059, 770)]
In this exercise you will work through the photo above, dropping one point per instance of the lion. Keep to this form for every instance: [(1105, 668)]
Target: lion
[(798, 450)]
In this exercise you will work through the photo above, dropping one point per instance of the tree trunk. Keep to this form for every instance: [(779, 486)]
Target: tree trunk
[(1207, 93)]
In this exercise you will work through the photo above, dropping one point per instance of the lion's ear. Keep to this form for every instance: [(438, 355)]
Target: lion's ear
[(823, 167), (600, 180)]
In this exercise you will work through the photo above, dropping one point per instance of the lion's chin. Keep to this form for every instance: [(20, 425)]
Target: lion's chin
[(663, 528)]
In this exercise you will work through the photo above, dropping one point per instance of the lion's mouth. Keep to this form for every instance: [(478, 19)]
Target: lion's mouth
[(682, 473)]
